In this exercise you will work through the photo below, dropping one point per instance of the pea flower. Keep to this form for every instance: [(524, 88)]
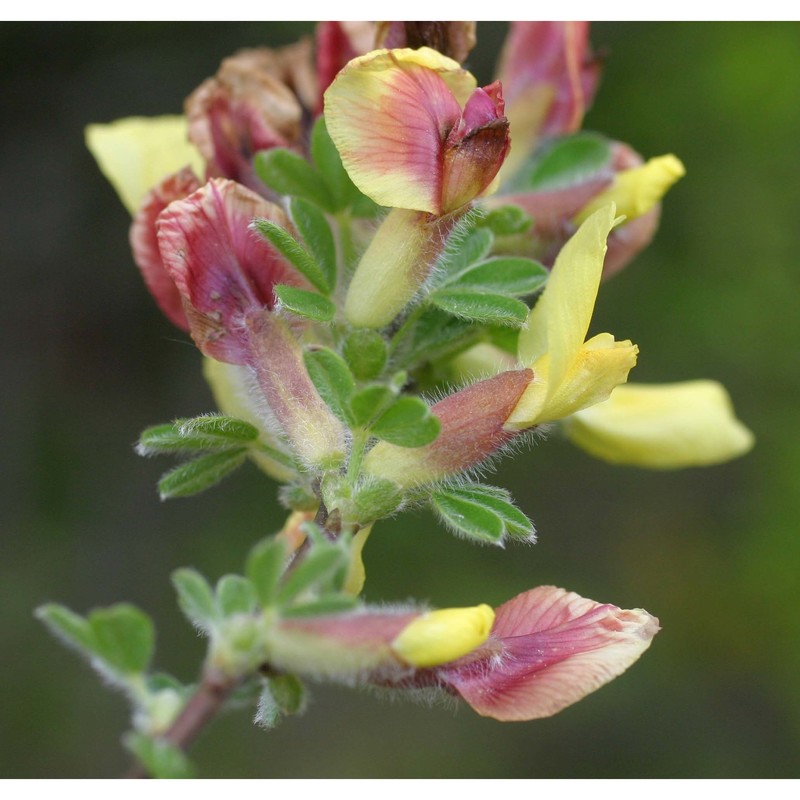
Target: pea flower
[(530, 658), (415, 133)]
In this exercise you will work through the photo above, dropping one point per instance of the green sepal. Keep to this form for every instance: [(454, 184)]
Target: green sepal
[(321, 563), (160, 758), (332, 378), (264, 568), (316, 232), (327, 160), (479, 306), (407, 423), (235, 595), (507, 220), (334, 603), (124, 638), (287, 173), (369, 402), (567, 161), (196, 598), (502, 275), (293, 252), (304, 303), (468, 518), (365, 352), (199, 474)]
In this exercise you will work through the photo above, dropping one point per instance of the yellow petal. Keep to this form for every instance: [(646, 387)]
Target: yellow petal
[(137, 152), (666, 426), (559, 321), (600, 365), (636, 191), (444, 635), (356, 574)]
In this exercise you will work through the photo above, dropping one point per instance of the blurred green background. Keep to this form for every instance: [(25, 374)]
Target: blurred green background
[(88, 362)]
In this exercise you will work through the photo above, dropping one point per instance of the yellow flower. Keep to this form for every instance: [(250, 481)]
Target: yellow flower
[(666, 426), (570, 373), (135, 153)]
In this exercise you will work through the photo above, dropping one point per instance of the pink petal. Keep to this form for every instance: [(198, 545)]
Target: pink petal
[(553, 54), (222, 269), (144, 243), (555, 648)]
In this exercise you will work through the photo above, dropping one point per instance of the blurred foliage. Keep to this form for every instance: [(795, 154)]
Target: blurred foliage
[(88, 362)]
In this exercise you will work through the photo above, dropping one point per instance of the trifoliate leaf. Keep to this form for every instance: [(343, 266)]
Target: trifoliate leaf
[(124, 638), (195, 598), (320, 564), (407, 423), (160, 758), (365, 352), (482, 307), (369, 402), (326, 159), (305, 303), (316, 233), (502, 275), (332, 378), (287, 173), (200, 474), (473, 520), (294, 253), (507, 220), (464, 250), (68, 626), (235, 595), (497, 500), (264, 568)]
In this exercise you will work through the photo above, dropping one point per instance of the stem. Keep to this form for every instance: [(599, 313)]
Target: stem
[(203, 706)]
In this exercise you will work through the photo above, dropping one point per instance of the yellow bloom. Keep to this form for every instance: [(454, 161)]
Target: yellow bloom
[(137, 152), (636, 191), (662, 426), (444, 635), (569, 372)]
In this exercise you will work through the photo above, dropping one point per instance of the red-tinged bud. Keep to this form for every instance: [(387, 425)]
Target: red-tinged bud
[(222, 269), (144, 243), (274, 353), (452, 39), (255, 102), (336, 44), (472, 431)]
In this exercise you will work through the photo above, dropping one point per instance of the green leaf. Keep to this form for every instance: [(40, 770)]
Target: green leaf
[(68, 626), (464, 250), (332, 378), (264, 568), (318, 565), (195, 598), (160, 758), (200, 474), (293, 252), (370, 401), (328, 604), (569, 161), (376, 498), (437, 335), (365, 352), (209, 432), (316, 233), (482, 307), (289, 693), (507, 220), (502, 275), (287, 173), (124, 638), (497, 500), (407, 423), (305, 303), (326, 158), (235, 595), (471, 519)]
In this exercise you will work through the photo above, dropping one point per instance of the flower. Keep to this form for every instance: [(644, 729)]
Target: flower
[(534, 655), (662, 426)]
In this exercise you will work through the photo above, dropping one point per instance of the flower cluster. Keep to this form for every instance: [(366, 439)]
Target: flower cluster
[(349, 227)]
